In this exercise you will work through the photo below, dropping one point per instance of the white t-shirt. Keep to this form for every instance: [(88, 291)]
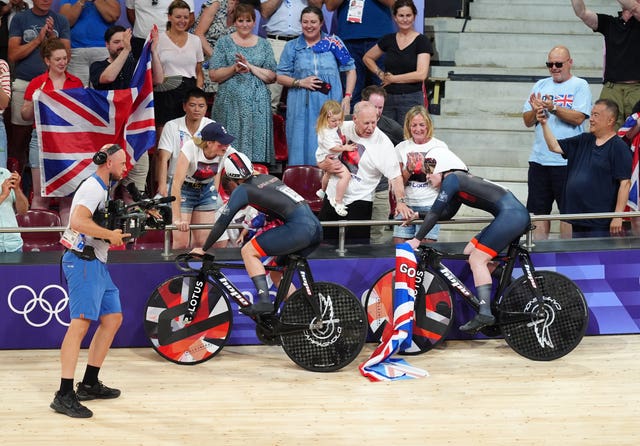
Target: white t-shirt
[(148, 14), (201, 169), (93, 195), (179, 61), (174, 134), (417, 191), (327, 139), (378, 159)]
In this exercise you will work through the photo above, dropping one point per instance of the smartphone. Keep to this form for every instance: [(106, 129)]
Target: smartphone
[(324, 88)]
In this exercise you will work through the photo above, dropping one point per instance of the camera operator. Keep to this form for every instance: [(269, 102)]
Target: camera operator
[(92, 293)]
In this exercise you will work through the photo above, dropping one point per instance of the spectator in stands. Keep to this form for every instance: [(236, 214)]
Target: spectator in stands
[(55, 54), (115, 73), (143, 14), (12, 202), (243, 65), (7, 11), (598, 170), (567, 99), (407, 57), (376, 158), (281, 23), (381, 205), (28, 30), (307, 64), (331, 142), (621, 41), (181, 56), (630, 133), (216, 19), (419, 146), (89, 19), (360, 24), (5, 97), (176, 133), (195, 183)]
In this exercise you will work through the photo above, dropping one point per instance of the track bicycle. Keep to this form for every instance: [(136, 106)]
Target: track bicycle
[(542, 315), (321, 326)]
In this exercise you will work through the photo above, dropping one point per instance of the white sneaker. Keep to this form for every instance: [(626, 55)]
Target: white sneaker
[(340, 208), (320, 193)]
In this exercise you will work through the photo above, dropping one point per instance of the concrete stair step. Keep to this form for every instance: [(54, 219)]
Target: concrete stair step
[(443, 71), (558, 11), (496, 123), (485, 153), (502, 175), (516, 26), (520, 41), (534, 57)]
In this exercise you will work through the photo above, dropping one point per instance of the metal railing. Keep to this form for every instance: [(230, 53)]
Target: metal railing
[(342, 225)]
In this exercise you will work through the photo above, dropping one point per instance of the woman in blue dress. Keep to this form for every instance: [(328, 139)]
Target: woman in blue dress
[(306, 66), (243, 64)]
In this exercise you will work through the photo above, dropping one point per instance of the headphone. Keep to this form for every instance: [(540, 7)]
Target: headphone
[(101, 156)]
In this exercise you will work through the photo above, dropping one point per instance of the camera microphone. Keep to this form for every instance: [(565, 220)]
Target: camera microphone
[(134, 192), (165, 200)]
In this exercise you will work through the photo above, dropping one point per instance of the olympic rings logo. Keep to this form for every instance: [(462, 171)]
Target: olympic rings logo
[(39, 300)]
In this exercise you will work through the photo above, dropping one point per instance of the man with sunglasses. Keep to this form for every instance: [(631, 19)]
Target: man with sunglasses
[(621, 42), (566, 99)]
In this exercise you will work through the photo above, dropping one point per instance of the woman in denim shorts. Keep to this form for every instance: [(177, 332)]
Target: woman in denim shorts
[(195, 184), (419, 145)]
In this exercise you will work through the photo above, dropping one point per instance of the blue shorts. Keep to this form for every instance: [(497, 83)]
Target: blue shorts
[(511, 222), (34, 150), (198, 198), (300, 234), (92, 293), (409, 232)]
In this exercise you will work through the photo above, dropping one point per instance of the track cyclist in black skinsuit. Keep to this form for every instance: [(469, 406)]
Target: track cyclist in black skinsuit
[(301, 232), (458, 187)]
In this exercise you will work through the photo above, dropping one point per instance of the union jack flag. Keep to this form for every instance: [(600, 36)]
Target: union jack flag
[(563, 100), (633, 203), (380, 366), (73, 124)]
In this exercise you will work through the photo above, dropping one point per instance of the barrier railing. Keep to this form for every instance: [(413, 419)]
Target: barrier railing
[(342, 225)]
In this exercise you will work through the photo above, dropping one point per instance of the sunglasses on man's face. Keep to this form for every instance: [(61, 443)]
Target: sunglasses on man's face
[(557, 64)]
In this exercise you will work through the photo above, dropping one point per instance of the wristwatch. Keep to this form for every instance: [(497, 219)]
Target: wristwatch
[(554, 110), (402, 200)]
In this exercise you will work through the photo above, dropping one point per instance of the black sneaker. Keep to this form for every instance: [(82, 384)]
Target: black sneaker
[(69, 405), (257, 309), (96, 391), (477, 323)]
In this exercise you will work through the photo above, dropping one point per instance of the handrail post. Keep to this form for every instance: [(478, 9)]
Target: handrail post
[(166, 250), (342, 230)]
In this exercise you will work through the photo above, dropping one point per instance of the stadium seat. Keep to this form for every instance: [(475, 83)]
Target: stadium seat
[(280, 138), (13, 165), (261, 168), (40, 241), (305, 180)]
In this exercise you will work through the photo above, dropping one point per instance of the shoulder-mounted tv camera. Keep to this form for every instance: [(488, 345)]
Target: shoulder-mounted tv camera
[(135, 218)]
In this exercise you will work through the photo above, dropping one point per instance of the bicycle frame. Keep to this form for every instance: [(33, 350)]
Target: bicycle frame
[(431, 259), (295, 264)]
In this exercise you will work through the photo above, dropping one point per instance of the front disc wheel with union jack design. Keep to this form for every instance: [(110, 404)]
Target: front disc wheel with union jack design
[(433, 310), (180, 341), (331, 342), (546, 333)]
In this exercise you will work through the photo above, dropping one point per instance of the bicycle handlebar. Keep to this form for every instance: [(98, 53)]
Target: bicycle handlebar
[(182, 260)]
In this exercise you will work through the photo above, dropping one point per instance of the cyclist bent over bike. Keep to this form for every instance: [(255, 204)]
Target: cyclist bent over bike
[(301, 232), (457, 186)]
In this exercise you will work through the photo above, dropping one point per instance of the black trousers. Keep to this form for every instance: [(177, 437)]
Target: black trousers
[(358, 210)]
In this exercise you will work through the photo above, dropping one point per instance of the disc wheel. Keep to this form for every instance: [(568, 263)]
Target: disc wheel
[(552, 332), (433, 310), (333, 342), (187, 343)]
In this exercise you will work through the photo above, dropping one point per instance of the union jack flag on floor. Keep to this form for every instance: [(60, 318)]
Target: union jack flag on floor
[(73, 124), (380, 366), (634, 193)]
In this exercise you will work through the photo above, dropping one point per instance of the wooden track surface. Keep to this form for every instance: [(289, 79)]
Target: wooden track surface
[(478, 393)]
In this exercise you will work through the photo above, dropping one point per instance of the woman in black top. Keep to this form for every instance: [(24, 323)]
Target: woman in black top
[(407, 55)]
